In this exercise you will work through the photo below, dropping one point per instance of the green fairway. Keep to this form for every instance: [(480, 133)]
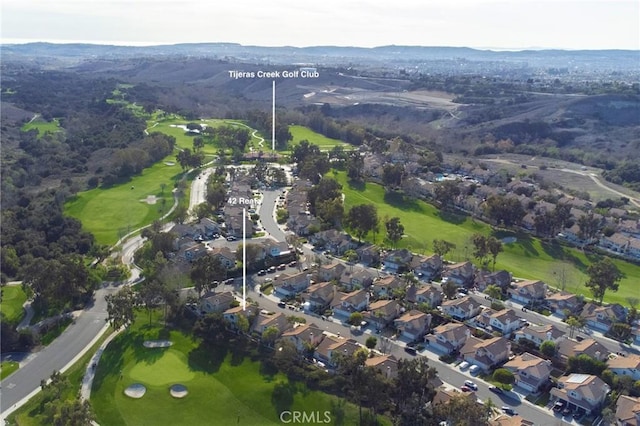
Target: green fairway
[(43, 127), (13, 297), (300, 133), (110, 213), (226, 384), (527, 257)]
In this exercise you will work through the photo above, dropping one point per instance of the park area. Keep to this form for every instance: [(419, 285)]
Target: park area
[(524, 256), (192, 383)]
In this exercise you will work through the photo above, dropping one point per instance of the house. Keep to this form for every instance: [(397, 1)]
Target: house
[(486, 354), (413, 324), (290, 285), (384, 287), (626, 366), (275, 248), (627, 411), (262, 321), (233, 216), (330, 272), (461, 309), (426, 267), (424, 294), (232, 315), (507, 420), (562, 302), (333, 241), (304, 336), (387, 365), (484, 279), (528, 292), (359, 278), (505, 321), (397, 260), (368, 255), (331, 346), (444, 395), (483, 320), (382, 312), (540, 333), (460, 273), (627, 246), (448, 338), (224, 255), (347, 303), (567, 348), (194, 251), (584, 392), (601, 318), (216, 302), (531, 372), (319, 295)]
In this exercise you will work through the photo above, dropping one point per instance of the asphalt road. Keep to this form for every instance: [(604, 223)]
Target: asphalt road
[(58, 355), (269, 199)]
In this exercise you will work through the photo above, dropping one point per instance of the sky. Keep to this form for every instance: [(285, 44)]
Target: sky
[(486, 24)]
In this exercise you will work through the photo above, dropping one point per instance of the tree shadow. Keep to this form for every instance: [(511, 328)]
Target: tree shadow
[(207, 358), (282, 396), (239, 351), (451, 217), (357, 185), (399, 200)]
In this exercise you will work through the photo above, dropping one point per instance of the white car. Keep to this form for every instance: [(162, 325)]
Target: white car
[(474, 369), (463, 365), (471, 385)]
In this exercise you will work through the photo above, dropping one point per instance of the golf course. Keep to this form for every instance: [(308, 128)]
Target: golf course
[(225, 383)]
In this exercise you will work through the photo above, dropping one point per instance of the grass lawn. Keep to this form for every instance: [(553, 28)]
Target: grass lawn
[(225, 383), (110, 213), (13, 297), (300, 133), (527, 257), (7, 368), (43, 127)]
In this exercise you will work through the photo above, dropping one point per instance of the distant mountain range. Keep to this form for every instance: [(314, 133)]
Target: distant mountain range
[(622, 60)]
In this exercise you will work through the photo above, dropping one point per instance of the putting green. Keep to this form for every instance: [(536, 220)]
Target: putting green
[(171, 367)]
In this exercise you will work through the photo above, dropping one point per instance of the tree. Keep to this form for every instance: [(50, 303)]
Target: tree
[(330, 211), (584, 364), (493, 291), (574, 323), (620, 331), (411, 390), (481, 248), (392, 175), (216, 194), (205, 271), (504, 210), (151, 292), (445, 193), (548, 347), (395, 230), (588, 225), (254, 251), (269, 335), (442, 247), (603, 276), (355, 318), (450, 289), (504, 376), (120, 308), (494, 246), (371, 342), (460, 410), (355, 166), (362, 219)]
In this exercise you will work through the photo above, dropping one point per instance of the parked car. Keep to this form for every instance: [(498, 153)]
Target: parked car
[(410, 350), (558, 406), (463, 365), (282, 266), (470, 384), (293, 263), (262, 272), (271, 269), (495, 389), (474, 369), (464, 388), (282, 305), (508, 410)]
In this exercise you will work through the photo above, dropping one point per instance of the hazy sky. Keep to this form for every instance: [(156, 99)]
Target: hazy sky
[(511, 24)]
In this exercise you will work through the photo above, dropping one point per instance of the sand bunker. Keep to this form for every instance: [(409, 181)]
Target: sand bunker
[(509, 240), (151, 199), (136, 391), (157, 343), (178, 391), (169, 163)]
